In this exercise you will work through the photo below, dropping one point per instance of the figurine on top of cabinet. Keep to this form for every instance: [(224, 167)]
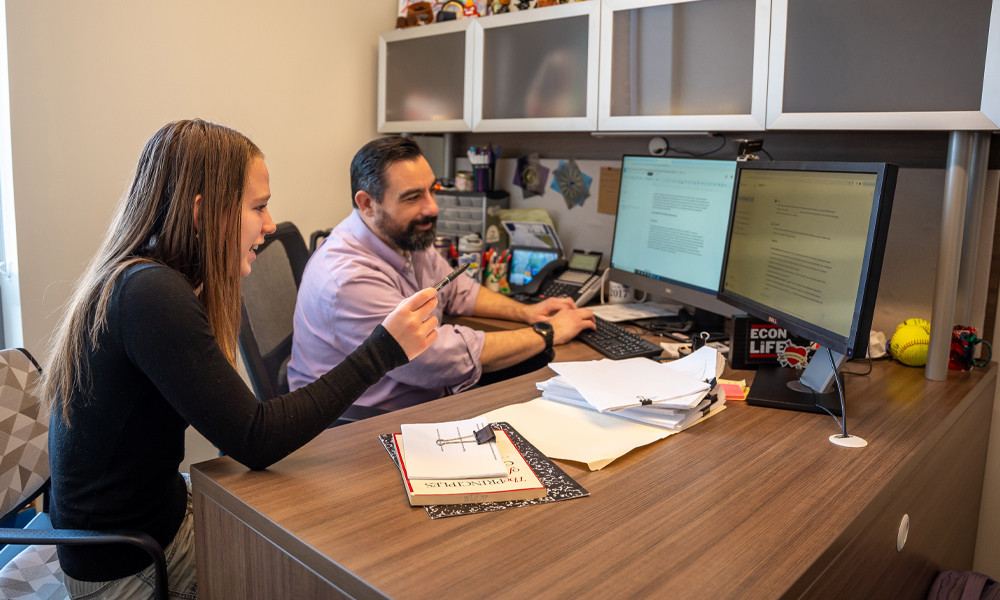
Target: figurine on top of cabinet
[(470, 9), (498, 7), (523, 4), (450, 11), (416, 13)]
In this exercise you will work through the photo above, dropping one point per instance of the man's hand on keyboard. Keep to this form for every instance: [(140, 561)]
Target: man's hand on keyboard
[(546, 309), (567, 323)]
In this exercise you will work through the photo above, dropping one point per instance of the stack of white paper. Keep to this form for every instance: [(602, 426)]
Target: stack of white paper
[(449, 451), (669, 395)]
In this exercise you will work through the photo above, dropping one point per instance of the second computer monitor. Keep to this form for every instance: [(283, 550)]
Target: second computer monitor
[(670, 232)]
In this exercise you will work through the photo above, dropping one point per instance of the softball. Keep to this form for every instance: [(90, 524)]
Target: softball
[(909, 344), (919, 323)]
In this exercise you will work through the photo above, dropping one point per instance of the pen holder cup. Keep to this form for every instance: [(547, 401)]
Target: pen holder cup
[(495, 277), (483, 177)]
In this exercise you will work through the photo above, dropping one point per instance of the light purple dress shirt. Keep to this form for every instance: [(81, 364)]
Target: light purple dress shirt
[(352, 282)]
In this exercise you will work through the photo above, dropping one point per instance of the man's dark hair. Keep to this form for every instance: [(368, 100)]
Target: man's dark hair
[(373, 160)]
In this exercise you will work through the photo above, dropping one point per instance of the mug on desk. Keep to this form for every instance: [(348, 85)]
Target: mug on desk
[(619, 293)]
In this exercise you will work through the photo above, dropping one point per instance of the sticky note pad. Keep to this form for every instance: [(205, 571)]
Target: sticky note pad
[(734, 391)]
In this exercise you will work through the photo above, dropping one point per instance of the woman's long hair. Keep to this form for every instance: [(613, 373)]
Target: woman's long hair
[(155, 222)]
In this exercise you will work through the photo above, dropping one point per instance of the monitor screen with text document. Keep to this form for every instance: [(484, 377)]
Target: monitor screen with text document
[(670, 230), (804, 251)]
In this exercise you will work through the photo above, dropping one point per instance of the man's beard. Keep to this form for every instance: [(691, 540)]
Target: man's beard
[(409, 238)]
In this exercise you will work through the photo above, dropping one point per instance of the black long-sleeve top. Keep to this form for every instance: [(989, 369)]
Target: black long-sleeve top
[(156, 369)]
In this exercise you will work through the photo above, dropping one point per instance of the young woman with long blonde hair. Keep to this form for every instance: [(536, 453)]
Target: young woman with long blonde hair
[(148, 347)]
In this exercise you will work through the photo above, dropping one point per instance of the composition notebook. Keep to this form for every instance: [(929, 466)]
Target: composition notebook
[(555, 483)]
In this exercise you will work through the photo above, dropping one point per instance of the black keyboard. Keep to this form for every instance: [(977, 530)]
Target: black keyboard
[(616, 342)]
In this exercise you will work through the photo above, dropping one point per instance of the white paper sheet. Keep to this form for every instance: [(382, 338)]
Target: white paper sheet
[(577, 434), (571, 433), (705, 363), (655, 414), (449, 451), (617, 384), (634, 310)]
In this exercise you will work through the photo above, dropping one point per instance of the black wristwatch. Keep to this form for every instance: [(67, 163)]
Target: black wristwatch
[(545, 330)]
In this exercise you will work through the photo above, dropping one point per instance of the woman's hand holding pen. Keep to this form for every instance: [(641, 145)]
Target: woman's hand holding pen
[(411, 323)]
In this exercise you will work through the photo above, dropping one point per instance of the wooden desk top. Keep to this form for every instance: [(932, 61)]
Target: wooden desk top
[(753, 503)]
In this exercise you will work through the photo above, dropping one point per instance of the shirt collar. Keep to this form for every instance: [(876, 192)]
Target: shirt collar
[(359, 229)]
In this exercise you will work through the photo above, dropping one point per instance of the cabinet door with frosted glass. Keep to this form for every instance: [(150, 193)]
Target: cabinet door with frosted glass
[(890, 64), (425, 77), (537, 69), (683, 65)]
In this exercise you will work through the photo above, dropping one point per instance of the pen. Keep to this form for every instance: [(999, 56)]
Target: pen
[(451, 276)]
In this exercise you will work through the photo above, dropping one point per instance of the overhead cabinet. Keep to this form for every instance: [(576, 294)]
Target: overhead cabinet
[(536, 70), (891, 64), (683, 65), (699, 65), (425, 78)]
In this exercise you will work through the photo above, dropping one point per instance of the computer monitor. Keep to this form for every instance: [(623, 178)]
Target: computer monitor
[(670, 231), (804, 251)]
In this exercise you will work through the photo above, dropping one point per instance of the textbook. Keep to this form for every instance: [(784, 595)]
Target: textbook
[(557, 485), (520, 483)]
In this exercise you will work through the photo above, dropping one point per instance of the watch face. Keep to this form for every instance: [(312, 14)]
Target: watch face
[(543, 328)]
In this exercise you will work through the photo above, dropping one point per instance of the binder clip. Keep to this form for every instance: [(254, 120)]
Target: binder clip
[(699, 341), (483, 436), (643, 401)]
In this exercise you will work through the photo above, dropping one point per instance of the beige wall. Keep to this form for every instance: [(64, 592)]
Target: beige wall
[(91, 81)]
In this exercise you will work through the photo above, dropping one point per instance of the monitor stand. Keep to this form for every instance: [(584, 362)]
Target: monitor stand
[(811, 390), (779, 387)]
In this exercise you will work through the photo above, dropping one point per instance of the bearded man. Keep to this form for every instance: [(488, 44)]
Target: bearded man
[(383, 252)]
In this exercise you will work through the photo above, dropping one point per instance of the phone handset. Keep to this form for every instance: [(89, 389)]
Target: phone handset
[(590, 288)]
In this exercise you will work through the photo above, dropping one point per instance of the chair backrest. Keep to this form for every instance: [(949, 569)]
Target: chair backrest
[(269, 293), (317, 238), (24, 431)]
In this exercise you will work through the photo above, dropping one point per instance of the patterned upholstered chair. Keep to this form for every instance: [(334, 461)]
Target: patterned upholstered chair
[(33, 571)]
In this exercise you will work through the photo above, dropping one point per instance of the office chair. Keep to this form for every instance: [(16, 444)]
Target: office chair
[(317, 238), (33, 571), (269, 294)]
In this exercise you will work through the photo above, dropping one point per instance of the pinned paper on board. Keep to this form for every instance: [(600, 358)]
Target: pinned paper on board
[(531, 176), (572, 183)]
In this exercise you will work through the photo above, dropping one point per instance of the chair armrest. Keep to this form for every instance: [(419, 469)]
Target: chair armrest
[(87, 537)]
